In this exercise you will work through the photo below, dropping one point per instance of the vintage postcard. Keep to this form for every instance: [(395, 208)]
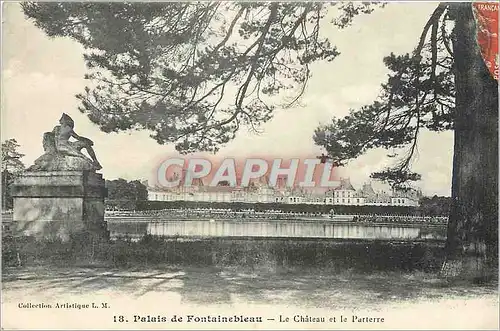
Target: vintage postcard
[(249, 165)]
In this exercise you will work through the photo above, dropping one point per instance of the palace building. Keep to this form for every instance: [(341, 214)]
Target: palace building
[(260, 192)]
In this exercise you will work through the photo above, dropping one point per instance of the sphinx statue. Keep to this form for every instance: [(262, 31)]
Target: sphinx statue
[(61, 154)]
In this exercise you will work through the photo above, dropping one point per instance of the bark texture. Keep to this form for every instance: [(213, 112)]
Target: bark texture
[(472, 244)]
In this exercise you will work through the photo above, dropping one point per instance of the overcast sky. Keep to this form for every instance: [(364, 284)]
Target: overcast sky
[(41, 77)]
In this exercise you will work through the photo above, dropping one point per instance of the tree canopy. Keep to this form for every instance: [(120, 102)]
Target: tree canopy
[(120, 189), (11, 158), (419, 94), (193, 73), (11, 165)]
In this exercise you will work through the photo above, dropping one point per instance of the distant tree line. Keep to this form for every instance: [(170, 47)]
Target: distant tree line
[(124, 195), (435, 206)]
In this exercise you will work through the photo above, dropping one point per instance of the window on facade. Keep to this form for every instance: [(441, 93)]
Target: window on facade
[(357, 200), (343, 200), (348, 200)]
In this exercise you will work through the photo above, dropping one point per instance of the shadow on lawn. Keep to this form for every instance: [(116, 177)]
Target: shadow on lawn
[(211, 285)]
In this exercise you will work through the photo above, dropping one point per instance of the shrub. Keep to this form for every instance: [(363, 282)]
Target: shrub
[(255, 254)]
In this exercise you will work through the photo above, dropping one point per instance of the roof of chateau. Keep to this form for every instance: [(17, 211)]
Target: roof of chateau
[(345, 185)]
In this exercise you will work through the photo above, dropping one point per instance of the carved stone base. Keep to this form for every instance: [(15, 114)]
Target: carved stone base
[(59, 204), (53, 162)]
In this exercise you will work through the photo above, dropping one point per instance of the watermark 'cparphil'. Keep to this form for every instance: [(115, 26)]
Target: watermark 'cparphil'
[(310, 172)]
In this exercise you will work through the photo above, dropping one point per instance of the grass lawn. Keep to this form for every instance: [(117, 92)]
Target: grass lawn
[(414, 300)]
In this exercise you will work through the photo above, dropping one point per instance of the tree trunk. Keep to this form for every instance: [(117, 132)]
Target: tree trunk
[(472, 244), (4, 190)]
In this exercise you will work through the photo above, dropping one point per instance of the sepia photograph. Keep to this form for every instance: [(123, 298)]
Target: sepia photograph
[(249, 165)]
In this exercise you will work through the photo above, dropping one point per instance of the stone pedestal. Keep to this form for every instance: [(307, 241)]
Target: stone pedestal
[(59, 204)]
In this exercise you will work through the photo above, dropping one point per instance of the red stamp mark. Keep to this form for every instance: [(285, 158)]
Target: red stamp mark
[(486, 14)]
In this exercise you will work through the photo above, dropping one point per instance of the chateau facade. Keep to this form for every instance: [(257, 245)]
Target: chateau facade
[(260, 192)]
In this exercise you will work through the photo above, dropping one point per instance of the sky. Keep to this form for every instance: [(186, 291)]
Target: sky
[(41, 76)]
